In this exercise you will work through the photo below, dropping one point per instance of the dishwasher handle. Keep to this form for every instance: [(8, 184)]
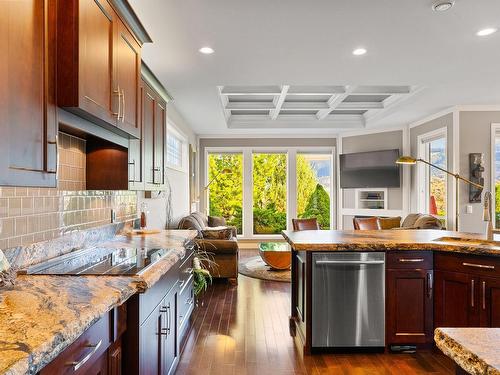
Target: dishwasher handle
[(347, 262)]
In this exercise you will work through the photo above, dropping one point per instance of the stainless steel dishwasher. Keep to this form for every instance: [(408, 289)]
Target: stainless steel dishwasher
[(348, 300)]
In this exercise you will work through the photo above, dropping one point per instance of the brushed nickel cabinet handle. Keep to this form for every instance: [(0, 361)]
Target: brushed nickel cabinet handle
[(478, 265), (429, 284), (78, 364), (118, 92), (472, 293), (132, 163), (484, 295), (410, 260), (123, 105)]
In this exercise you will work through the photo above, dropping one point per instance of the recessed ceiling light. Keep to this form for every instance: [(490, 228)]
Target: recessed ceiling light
[(206, 50), (359, 51), (443, 6), (487, 31)]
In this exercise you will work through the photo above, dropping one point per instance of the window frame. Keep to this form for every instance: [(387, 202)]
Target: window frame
[(495, 134), (184, 148), (423, 170), (247, 220)]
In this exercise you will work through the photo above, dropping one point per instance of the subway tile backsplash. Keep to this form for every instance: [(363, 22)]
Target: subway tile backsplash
[(29, 215)]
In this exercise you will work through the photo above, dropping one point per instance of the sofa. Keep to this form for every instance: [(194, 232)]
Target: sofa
[(412, 221), (218, 240)]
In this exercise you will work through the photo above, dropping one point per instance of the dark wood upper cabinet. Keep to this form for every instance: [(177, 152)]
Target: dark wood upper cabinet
[(28, 123), (147, 156), (98, 65), (127, 77)]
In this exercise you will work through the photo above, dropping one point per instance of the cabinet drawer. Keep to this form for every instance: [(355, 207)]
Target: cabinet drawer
[(409, 260), (186, 270), (478, 265), (81, 356), (149, 300), (185, 303)]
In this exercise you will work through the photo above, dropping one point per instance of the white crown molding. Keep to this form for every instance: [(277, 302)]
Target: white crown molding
[(271, 135)]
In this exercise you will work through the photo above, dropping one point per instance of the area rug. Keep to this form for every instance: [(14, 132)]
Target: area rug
[(256, 268)]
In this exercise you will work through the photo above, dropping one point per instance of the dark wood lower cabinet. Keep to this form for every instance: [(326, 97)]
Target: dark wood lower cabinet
[(409, 307), (489, 302), (115, 358), (455, 299), (98, 351)]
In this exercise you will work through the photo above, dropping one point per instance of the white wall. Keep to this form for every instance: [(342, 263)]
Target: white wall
[(179, 182)]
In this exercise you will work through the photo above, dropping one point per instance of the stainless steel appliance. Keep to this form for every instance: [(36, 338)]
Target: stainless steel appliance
[(100, 261), (348, 291)]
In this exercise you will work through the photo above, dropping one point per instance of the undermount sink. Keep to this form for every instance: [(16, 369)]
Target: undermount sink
[(468, 241)]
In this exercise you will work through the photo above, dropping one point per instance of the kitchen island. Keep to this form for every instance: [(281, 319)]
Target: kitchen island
[(432, 279), (42, 315)]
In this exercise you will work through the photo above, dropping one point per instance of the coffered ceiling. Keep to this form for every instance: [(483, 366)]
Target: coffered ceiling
[(288, 106)]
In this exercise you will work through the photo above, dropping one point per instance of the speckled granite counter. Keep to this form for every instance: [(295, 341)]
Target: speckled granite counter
[(41, 315), (476, 350), (383, 240)]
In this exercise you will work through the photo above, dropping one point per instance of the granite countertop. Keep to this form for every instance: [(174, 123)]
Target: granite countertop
[(382, 240), (41, 315), (476, 350)]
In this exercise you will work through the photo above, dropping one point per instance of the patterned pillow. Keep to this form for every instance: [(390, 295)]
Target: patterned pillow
[(217, 233)]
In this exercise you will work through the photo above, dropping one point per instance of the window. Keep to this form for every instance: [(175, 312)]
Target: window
[(225, 194), (259, 190), (269, 192), (433, 189), (314, 182), (177, 148), (496, 174)]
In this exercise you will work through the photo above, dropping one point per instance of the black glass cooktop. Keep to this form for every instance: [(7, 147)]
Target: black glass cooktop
[(100, 261)]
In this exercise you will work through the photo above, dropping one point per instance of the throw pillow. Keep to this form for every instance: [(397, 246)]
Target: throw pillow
[(428, 222), (217, 233), (216, 221), (390, 222)]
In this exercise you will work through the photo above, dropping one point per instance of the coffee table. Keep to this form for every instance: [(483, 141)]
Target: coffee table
[(276, 255)]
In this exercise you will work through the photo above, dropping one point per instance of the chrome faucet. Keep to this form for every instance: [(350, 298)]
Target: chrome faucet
[(487, 205)]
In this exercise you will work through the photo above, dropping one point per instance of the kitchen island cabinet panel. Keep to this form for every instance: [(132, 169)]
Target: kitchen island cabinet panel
[(490, 302), (455, 299), (409, 312)]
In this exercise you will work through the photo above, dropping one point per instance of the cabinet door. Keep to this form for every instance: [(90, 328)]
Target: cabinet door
[(151, 344), (97, 95), (148, 134), (99, 367), (409, 306), (490, 302), (160, 140), (28, 124), (115, 358), (170, 333), (456, 299), (136, 150), (127, 54)]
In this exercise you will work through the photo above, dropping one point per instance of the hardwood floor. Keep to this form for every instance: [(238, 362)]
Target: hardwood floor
[(243, 329)]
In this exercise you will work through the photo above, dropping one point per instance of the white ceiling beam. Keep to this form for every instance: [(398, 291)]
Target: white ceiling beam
[(333, 102), (278, 102), (250, 106), (380, 90), (316, 90), (360, 105), (223, 101), (304, 105), (297, 122), (250, 90)]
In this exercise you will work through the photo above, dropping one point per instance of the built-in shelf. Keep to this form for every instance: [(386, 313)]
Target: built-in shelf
[(371, 199)]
